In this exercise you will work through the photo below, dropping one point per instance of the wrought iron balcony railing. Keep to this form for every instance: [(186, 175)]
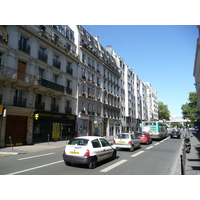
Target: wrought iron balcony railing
[(28, 78), (68, 110), (24, 47), (68, 90), (56, 63), (54, 108), (20, 102), (42, 56), (40, 106)]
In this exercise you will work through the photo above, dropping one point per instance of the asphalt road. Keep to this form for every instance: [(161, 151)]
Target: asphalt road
[(158, 158)]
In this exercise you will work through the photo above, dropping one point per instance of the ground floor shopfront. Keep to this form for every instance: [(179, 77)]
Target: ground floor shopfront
[(53, 126), (97, 126)]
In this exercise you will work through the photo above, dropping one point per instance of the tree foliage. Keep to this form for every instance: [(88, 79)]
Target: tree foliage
[(190, 108), (163, 112)]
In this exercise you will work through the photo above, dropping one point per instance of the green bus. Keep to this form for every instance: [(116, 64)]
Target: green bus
[(157, 130)]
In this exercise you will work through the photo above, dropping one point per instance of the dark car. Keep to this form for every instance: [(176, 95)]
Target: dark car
[(175, 134), (144, 137)]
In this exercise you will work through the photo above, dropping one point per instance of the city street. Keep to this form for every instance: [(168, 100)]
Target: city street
[(158, 158)]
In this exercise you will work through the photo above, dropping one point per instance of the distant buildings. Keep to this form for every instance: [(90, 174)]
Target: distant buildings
[(58, 82)]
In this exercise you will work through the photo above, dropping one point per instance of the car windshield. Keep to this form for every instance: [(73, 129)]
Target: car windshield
[(80, 141), (140, 134), (174, 131), (122, 136)]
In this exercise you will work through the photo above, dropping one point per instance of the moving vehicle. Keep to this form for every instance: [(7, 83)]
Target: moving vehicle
[(88, 150), (126, 140), (144, 137), (157, 130), (175, 134)]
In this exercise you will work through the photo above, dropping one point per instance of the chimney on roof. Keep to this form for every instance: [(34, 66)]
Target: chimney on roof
[(109, 48), (96, 38)]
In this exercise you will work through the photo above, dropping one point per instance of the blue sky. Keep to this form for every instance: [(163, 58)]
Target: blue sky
[(160, 54)]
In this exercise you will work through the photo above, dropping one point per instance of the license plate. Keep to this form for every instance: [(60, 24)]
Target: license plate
[(121, 142), (175, 136), (74, 152)]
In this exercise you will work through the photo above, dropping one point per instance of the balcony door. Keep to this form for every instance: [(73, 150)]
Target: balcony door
[(21, 70)]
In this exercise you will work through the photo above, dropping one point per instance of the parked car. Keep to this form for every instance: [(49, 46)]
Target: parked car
[(88, 150), (175, 134), (144, 137), (126, 140)]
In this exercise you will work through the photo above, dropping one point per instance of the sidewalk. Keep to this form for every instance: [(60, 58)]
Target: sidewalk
[(193, 158), (35, 147)]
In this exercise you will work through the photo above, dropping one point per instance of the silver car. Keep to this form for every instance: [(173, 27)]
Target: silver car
[(126, 140)]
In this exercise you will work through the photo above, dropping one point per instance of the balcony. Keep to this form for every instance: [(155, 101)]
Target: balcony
[(69, 70), (40, 106), (56, 63), (54, 108), (42, 56), (68, 110), (68, 90), (24, 47), (51, 85), (20, 102)]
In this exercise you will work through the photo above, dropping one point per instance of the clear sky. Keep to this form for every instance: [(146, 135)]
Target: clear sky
[(160, 54)]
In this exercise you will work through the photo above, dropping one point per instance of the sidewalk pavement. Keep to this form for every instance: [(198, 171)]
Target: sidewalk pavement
[(35, 147), (192, 162)]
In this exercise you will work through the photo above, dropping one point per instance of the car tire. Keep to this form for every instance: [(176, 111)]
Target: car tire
[(93, 163), (114, 155), (132, 148)]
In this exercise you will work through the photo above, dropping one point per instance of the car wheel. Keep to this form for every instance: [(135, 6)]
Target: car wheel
[(132, 148), (93, 163), (114, 155)]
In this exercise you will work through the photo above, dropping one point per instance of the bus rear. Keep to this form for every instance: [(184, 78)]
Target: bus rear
[(154, 129)]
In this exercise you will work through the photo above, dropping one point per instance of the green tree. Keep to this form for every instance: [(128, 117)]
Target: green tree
[(163, 112), (177, 124), (190, 108)]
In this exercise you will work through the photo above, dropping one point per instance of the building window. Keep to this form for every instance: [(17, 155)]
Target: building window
[(55, 78)]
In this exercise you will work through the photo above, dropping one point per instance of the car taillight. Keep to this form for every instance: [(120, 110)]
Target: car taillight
[(130, 142), (64, 152), (87, 153), (114, 141)]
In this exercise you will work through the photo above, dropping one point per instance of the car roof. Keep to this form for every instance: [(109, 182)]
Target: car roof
[(88, 137)]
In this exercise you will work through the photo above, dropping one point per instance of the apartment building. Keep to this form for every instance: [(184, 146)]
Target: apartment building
[(98, 88), (38, 74), (58, 82), (196, 71)]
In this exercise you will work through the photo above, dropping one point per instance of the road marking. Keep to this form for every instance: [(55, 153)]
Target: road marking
[(156, 144), (136, 154), (26, 170), (149, 147), (36, 156), (113, 166)]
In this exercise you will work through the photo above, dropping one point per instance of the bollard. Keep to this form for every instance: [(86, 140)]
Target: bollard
[(11, 142)]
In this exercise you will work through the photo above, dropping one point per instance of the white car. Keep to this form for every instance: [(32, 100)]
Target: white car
[(88, 150), (127, 140)]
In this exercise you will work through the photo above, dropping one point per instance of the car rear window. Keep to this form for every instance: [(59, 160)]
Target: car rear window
[(82, 142), (140, 134), (122, 136)]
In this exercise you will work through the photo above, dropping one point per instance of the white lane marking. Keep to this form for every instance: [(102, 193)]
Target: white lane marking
[(156, 144), (136, 154), (113, 166), (149, 147), (53, 163), (36, 156)]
